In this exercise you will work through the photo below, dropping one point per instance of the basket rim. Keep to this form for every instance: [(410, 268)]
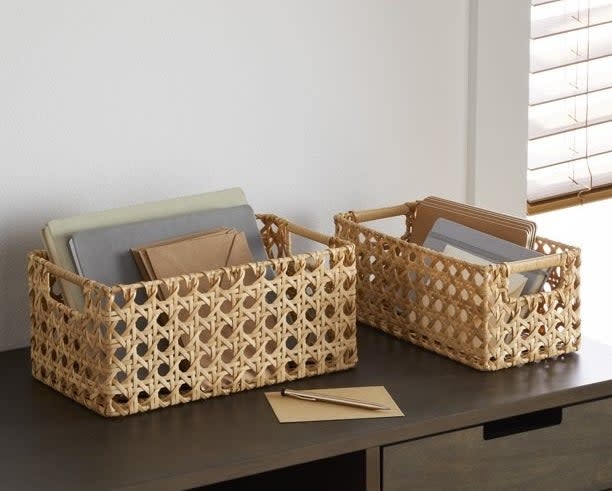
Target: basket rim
[(42, 255), (346, 216), (500, 269)]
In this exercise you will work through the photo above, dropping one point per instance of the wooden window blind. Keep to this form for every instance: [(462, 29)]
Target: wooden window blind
[(570, 103)]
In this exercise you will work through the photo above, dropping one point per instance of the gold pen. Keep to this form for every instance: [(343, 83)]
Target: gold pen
[(316, 397)]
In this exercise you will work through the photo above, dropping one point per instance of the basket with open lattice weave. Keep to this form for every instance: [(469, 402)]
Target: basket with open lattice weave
[(133, 349), (458, 309)]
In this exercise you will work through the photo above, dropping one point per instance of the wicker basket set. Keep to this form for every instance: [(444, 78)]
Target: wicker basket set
[(130, 349)]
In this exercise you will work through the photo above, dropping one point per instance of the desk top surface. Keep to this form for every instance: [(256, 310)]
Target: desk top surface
[(50, 442)]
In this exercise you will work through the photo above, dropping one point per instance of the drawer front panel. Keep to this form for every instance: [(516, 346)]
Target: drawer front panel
[(533, 452)]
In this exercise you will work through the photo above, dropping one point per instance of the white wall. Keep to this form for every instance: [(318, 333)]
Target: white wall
[(312, 107), (498, 96)]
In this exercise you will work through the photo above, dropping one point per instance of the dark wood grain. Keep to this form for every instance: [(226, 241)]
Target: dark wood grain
[(373, 476), (575, 455), (50, 442), (344, 473)]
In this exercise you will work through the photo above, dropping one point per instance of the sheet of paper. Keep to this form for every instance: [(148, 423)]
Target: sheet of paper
[(291, 410)]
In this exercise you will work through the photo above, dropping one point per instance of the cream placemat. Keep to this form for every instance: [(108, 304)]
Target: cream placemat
[(291, 410)]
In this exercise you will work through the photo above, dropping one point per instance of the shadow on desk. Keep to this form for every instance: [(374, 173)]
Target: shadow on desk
[(342, 472)]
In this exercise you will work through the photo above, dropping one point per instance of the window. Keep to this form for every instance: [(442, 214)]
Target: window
[(570, 103), (570, 139)]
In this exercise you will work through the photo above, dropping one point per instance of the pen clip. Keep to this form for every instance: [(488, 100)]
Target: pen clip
[(304, 397)]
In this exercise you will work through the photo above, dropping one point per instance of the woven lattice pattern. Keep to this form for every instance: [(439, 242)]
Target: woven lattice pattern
[(458, 309), (133, 350)]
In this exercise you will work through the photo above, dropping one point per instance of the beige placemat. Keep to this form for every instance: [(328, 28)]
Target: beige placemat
[(291, 410)]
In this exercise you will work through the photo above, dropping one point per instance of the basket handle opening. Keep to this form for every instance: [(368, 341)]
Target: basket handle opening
[(309, 234), (546, 262)]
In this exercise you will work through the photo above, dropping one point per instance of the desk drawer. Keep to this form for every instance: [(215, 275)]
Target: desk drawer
[(560, 449)]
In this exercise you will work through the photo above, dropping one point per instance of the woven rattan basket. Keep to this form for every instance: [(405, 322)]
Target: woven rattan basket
[(131, 350), (458, 309)]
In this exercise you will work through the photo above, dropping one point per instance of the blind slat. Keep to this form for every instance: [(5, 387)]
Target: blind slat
[(566, 97), (573, 177), (571, 47), (570, 145), (535, 3), (569, 161), (572, 113), (571, 80), (552, 19)]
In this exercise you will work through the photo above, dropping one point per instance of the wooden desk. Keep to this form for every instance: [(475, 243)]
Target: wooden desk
[(52, 443)]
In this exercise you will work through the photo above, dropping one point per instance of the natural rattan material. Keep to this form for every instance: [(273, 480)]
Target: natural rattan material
[(459, 309), (132, 350)]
